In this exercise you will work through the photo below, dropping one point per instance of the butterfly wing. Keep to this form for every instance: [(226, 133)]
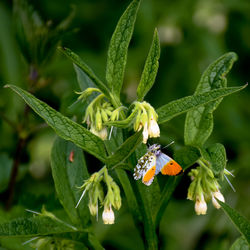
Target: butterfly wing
[(149, 172), (146, 168), (167, 166)]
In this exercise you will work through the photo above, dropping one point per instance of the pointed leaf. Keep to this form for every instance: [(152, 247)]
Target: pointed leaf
[(83, 79), (170, 185), (125, 150), (33, 226), (240, 244), (241, 223), (85, 68), (111, 145), (150, 69), (118, 48), (180, 106), (63, 126), (69, 172), (199, 122), (186, 156), (218, 157), (148, 198)]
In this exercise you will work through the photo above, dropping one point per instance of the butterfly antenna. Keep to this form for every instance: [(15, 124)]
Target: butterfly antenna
[(169, 144), (230, 184)]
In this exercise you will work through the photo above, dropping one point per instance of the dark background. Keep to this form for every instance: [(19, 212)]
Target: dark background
[(193, 33)]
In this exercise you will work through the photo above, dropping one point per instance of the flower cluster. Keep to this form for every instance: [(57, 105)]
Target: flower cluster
[(94, 186), (99, 112), (204, 187), (146, 119), (52, 243)]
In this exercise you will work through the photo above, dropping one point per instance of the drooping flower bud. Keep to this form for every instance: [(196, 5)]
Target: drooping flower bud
[(93, 209), (103, 134), (200, 205), (145, 133), (108, 215), (153, 128), (217, 195), (98, 120)]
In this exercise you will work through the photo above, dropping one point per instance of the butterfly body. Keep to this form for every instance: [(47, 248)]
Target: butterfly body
[(154, 162)]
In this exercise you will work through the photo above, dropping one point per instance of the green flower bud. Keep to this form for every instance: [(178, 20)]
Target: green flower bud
[(100, 192), (144, 118), (117, 196), (98, 120), (191, 191), (114, 116), (104, 115), (137, 123), (86, 93)]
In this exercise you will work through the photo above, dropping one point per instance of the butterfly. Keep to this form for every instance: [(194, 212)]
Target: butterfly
[(154, 162)]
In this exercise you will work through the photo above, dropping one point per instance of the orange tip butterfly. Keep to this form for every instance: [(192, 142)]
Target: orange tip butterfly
[(154, 162)]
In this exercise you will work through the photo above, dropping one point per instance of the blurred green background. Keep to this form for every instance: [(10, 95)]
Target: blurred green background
[(193, 33)]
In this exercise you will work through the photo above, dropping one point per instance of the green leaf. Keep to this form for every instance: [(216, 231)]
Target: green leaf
[(125, 150), (148, 200), (240, 244), (83, 79), (180, 106), (199, 122), (170, 185), (241, 223), (112, 144), (218, 157), (69, 172), (129, 193), (63, 126), (33, 226), (118, 48), (150, 69), (85, 68), (186, 156)]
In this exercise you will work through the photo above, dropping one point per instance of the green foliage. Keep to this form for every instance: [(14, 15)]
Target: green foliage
[(180, 106), (125, 150), (63, 126), (240, 244), (241, 223), (199, 122), (85, 68), (150, 69), (187, 156), (120, 151), (37, 38), (118, 49), (69, 170), (33, 226), (217, 157)]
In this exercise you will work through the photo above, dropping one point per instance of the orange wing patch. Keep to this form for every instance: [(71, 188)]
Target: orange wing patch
[(149, 175), (171, 168)]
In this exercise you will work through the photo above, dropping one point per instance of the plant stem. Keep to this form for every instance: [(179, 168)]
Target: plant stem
[(22, 141), (10, 191)]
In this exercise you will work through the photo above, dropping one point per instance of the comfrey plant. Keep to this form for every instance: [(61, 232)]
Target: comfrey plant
[(116, 135)]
